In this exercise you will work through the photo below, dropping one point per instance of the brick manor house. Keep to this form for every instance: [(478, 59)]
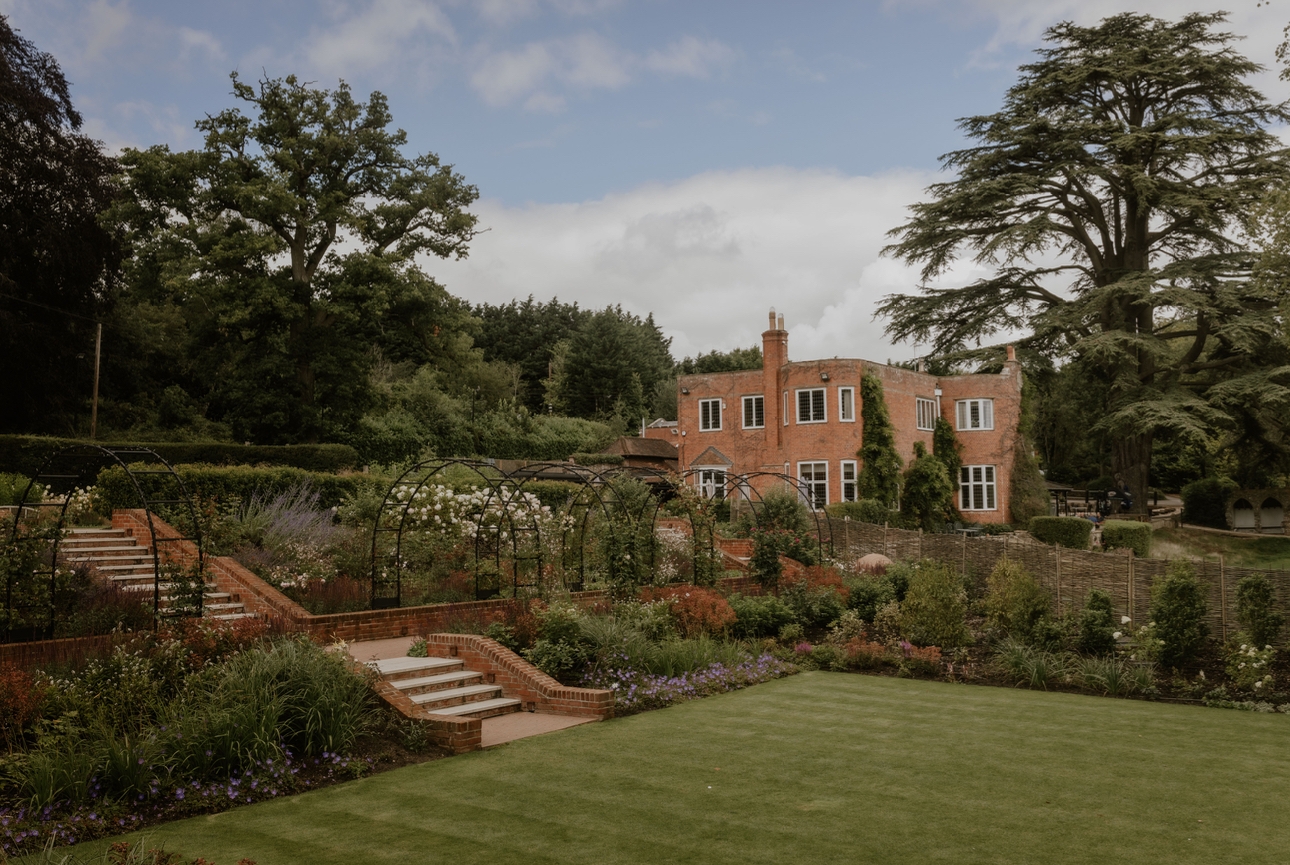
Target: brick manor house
[(802, 418)]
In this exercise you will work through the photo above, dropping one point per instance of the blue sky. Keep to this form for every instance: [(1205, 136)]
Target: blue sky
[(702, 161)]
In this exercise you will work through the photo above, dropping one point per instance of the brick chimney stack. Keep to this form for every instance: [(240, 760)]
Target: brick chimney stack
[(774, 354)]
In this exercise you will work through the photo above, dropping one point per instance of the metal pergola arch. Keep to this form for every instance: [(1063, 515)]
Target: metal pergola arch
[(69, 469)]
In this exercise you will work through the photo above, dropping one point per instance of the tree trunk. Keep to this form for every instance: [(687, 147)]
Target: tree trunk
[(1131, 460)]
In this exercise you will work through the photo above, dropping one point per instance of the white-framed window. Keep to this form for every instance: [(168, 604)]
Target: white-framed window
[(709, 414), (976, 488), (712, 483), (814, 481), (975, 414), (784, 415), (926, 411), (847, 404), (754, 412), (849, 481), (810, 405)]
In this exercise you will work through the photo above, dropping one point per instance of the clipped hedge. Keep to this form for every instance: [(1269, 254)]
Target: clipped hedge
[(598, 459), (223, 484), (1205, 502), (26, 455), (1127, 535), (863, 511), (1070, 532)]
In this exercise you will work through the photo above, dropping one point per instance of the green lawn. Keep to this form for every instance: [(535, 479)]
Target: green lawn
[(1266, 551), (820, 767)]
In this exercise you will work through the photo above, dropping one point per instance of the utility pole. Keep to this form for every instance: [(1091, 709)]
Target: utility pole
[(94, 412)]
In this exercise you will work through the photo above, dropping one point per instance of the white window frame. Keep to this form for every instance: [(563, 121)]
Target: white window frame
[(845, 395), (978, 484), (925, 413), (785, 415), (963, 414), (705, 417), (850, 475), (711, 481), (815, 490), (823, 405), (753, 401)]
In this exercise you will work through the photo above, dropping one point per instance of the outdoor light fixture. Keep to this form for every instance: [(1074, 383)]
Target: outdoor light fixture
[(824, 376), (685, 390)]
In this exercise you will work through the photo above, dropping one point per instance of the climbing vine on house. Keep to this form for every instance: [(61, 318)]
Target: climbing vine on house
[(880, 474)]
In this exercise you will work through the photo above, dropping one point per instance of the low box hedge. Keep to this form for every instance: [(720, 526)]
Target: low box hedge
[(863, 511), (1070, 532), (26, 455), (223, 484), (1126, 534)]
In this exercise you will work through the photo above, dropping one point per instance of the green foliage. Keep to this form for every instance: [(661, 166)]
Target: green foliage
[(1096, 634), (721, 361), (1205, 502), (813, 606), (525, 334), (13, 488), (1070, 532), (231, 484), (1015, 602), (1126, 534), (868, 593), (1056, 168), (610, 363), (1027, 490), (27, 454), (934, 610), (863, 511), (782, 508), (880, 473), (759, 616), (1031, 666), (928, 497), (1256, 610), (947, 448), (585, 459), (1178, 611)]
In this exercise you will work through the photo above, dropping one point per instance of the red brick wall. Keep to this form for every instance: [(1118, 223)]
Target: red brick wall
[(781, 447)]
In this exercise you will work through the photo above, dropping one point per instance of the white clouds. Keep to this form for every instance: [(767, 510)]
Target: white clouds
[(534, 74), (378, 35), (199, 41), (709, 255), (691, 57)]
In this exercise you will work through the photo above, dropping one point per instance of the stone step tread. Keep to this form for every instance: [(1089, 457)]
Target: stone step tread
[(461, 693), (133, 548), (388, 666), (213, 596), (493, 706), (222, 607), (149, 569), (229, 617), (142, 554), (86, 530), (440, 679)]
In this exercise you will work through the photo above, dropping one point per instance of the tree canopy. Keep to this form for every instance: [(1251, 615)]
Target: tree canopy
[(57, 262), (1109, 197), (288, 243)]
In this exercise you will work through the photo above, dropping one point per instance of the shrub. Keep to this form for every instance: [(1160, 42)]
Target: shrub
[(769, 545), (759, 616), (935, 607), (814, 602), (1250, 667), (1070, 532), (866, 594), (697, 611), (13, 486), (20, 701), (209, 641), (558, 660), (863, 511), (887, 624), (1096, 635), (225, 484), (1126, 534), (1255, 612), (920, 661), (27, 454), (866, 655), (1205, 502), (1178, 611), (584, 459), (880, 463), (1015, 602), (928, 497)]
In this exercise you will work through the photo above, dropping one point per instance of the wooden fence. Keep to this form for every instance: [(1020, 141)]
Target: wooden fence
[(1068, 574)]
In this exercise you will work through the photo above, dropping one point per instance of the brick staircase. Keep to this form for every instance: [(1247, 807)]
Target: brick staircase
[(443, 686), (117, 557)]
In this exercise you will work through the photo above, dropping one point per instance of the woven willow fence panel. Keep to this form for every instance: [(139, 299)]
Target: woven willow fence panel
[(1067, 574)]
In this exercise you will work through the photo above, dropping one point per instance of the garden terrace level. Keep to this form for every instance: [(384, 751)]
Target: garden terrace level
[(803, 418)]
